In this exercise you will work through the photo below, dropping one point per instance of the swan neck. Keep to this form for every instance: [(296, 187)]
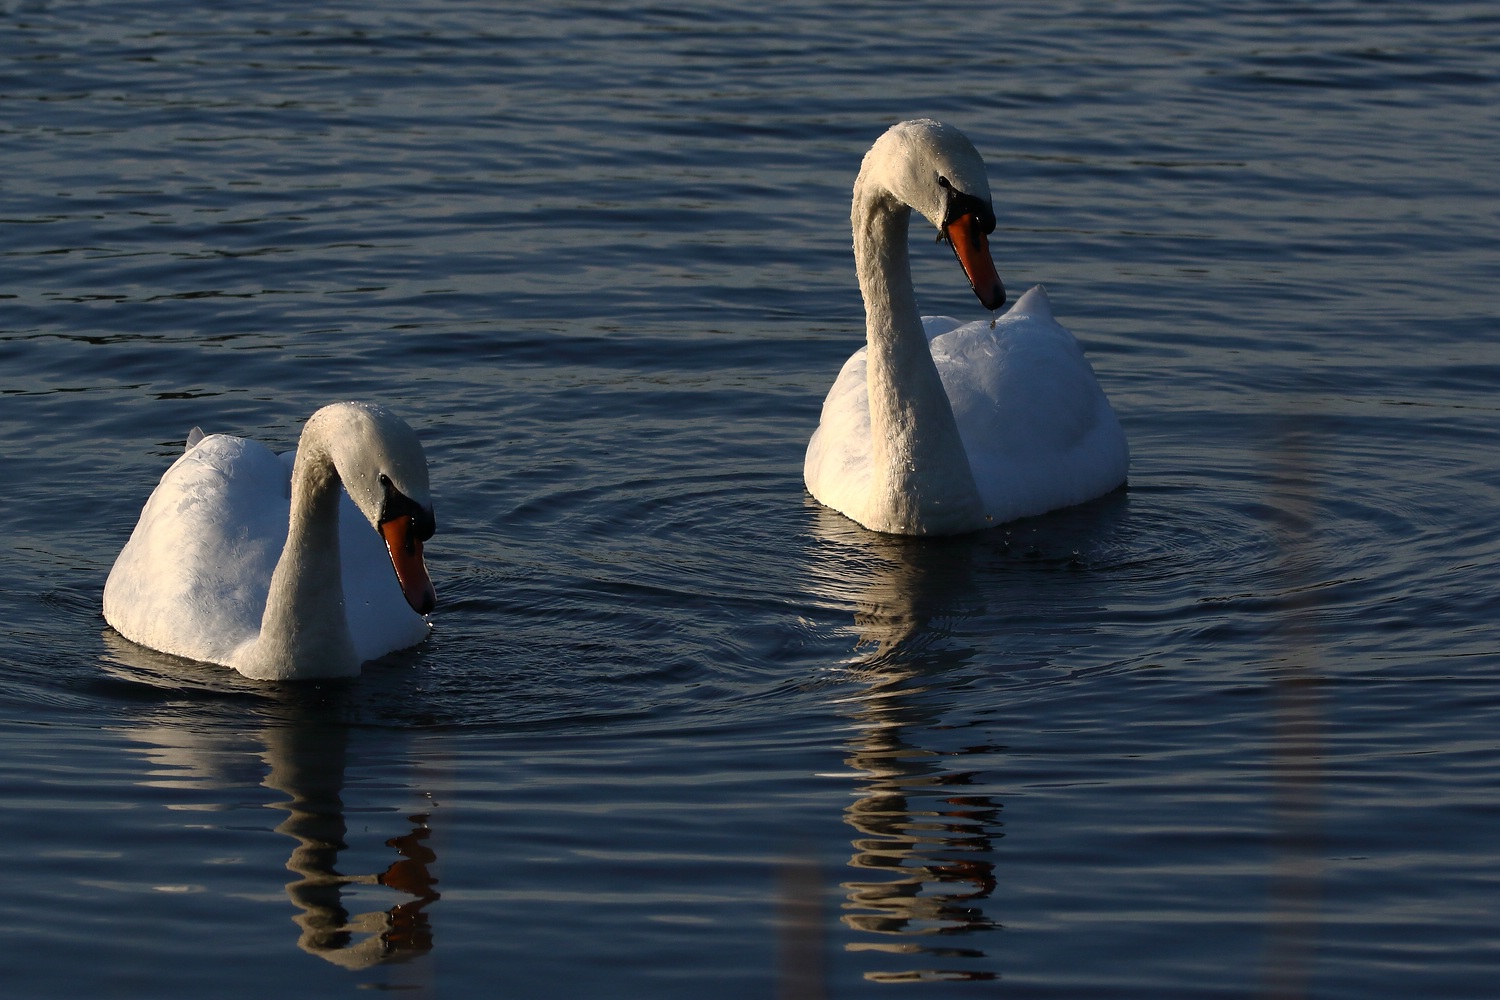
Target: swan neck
[(921, 480), (883, 266), (304, 630)]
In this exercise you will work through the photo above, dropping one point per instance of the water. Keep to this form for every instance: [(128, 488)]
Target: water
[(678, 730)]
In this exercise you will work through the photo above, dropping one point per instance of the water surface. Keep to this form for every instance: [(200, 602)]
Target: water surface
[(1230, 732)]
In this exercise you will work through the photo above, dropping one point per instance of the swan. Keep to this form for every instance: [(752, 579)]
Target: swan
[(242, 558), (936, 427)]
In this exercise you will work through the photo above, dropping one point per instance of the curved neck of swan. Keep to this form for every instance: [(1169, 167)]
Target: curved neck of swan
[(921, 479), (304, 628)]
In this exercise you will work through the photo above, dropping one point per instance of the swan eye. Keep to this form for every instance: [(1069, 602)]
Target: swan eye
[(943, 182)]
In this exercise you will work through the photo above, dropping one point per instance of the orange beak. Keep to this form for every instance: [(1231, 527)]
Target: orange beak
[(973, 250), (406, 556)]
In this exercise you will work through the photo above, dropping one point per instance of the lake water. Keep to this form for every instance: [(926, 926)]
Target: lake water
[(679, 732)]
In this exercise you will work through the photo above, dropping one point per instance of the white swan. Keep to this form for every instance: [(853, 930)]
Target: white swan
[(936, 428), (243, 559)]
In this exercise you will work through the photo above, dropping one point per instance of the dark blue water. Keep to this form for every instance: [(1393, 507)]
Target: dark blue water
[(680, 732)]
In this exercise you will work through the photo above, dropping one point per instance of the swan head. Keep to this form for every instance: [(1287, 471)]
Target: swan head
[(382, 466), (934, 168)]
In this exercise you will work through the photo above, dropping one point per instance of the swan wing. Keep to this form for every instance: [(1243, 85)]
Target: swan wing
[(936, 326), (1037, 427), (192, 579), (837, 466)]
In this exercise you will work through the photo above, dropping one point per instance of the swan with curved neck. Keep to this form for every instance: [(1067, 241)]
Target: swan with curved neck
[(936, 428), (240, 561)]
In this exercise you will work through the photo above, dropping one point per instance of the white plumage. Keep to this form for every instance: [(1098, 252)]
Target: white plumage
[(231, 563), (958, 427)]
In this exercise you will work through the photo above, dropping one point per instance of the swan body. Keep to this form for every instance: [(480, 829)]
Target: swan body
[(937, 427), (266, 564)]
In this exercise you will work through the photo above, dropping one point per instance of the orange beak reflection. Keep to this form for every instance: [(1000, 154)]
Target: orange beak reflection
[(406, 556), (973, 250)]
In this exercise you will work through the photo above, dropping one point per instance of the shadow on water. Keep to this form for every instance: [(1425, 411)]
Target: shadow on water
[(303, 744)]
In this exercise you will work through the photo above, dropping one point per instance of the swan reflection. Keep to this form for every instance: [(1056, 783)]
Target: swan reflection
[(926, 832), (303, 758), (307, 764)]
